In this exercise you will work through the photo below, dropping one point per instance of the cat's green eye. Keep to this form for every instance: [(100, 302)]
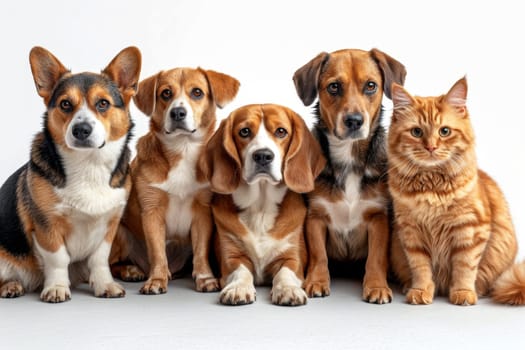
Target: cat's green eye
[(444, 132), (416, 132)]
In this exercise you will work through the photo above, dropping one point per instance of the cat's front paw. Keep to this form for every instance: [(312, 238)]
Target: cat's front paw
[(464, 297), (416, 296)]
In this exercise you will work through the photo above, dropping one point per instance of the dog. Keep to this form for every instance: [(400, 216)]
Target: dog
[(60, 211), (168, 217), (348, 215), (258, 163)]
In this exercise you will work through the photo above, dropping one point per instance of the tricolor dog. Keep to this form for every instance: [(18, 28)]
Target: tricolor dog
[(60, 211), (168, 216), (259, 162), (348, 213)]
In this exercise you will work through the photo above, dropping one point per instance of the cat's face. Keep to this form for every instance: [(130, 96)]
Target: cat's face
[(430, 131)]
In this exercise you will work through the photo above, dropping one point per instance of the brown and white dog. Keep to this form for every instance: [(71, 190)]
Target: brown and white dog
[(259, 162), (348, 212), (168, 216), (60, 211)]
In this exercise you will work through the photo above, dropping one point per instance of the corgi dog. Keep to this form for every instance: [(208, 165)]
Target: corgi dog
[(60, 211), (168, 219)]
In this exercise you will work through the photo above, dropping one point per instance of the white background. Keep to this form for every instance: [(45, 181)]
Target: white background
[(262, 43)]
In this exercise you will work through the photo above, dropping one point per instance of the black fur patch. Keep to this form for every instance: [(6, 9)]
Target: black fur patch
[(119, 174), (12, 236)]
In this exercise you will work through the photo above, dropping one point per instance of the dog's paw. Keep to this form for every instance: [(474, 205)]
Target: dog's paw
[(238, 294), (464, 297), (132, 273), (377, 295), (110, 290), (154, 286), (416, 296), (315, 289), (207, 284), (12, 289), (55, 294), (288, 295)]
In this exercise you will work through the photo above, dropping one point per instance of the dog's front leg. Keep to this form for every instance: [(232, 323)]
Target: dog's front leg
[(375, 286), (317, 282), (287, 286), (100, 278), (239, 288)]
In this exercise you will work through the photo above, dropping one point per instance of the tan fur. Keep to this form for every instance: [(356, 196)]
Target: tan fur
[(147, 207), (222, 165), (453, 233), (352, 69)]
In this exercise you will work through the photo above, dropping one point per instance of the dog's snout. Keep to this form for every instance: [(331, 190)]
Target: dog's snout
[(178, 114), (81, 131), (353, 121), (263, 156)]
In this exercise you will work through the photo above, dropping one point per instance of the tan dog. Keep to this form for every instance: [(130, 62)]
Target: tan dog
[(168, 213), (348, 213), (259, 161)]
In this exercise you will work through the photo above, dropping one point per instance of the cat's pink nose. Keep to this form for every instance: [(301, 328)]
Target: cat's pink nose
[(430, 148)]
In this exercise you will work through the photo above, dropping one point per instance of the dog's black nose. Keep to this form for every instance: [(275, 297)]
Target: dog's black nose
[(353, 121), (81, 131), (178, 114), (263, 156)]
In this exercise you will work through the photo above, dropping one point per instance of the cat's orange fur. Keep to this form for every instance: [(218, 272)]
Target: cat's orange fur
[(453, 233)]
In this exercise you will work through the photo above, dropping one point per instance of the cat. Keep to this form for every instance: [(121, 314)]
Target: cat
[(452, 230)]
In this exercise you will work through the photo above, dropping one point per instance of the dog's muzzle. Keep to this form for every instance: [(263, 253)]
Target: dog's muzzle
[(178, 120), (353, 121)]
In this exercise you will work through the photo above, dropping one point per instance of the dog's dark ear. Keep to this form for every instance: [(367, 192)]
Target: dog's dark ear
[(392, 70), (47, 70), (223, 87), (124, 70), (146, 97), (304, 160), (306, 78), (220, 163)]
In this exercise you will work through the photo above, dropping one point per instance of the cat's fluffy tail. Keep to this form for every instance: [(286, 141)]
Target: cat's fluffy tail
[(509, 288)]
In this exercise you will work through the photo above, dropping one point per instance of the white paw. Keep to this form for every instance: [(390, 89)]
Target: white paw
[(238, 294), (55, 294), (109, 290), (288, 295)]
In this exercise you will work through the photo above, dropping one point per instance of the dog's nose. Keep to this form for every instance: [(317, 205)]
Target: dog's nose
[(263, 156), (353, 121), (81, 131), (178, 114)]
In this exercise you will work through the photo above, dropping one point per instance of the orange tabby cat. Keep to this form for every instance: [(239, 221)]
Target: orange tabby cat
[(452, 228)]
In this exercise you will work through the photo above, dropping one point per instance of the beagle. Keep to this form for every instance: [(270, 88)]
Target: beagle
[(168, 217), (348, 214), (259, 162), (60, 211)]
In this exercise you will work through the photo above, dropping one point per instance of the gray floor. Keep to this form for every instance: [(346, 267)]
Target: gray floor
[(185, 319)]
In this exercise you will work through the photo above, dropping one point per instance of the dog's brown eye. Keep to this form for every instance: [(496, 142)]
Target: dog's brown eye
[(66, 105), (245, 132), (334, 88), (370, 88), (166, 94), (416, 132), (281, 133), (102, 105), (197, 93), (444, 132)]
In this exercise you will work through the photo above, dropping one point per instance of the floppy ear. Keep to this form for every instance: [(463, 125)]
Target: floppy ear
[(306, 78), (46, 70), (146, 97), (220, 163), (457, 96), (223, 87), (304, 160), (124, 70), (392, 70)]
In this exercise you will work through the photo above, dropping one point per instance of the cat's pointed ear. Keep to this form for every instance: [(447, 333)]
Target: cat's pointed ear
[(457, 96), (400, 97)]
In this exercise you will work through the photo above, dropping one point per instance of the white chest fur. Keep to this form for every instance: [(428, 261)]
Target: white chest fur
[(260, 206), (181, 186), (88, 200)]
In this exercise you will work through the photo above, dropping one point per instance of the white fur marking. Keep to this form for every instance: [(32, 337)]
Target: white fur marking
[(85, 115)]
